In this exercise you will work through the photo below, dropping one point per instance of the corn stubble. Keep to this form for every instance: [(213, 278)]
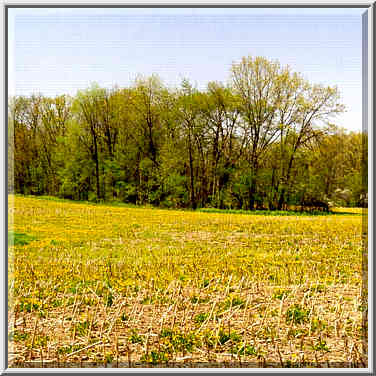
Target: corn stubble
[(104, 286)]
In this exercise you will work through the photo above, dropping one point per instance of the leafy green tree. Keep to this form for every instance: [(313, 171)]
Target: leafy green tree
[(263, 141)]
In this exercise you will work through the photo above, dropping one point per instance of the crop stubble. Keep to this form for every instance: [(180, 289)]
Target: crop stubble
[(100, 285)]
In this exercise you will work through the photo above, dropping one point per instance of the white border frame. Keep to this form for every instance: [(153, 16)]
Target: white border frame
[(156, 3)]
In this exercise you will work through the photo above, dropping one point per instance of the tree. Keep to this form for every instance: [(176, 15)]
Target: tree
[(25, 118), (88, 104), (220, 113), (315, 105), (257, 83), (263, 141), (276, 102), (55, 115), (189, 116)]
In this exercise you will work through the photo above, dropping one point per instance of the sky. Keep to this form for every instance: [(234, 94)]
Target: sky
[(59, 51)]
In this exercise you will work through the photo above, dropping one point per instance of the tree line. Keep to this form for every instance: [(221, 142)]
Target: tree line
[(264, 140)]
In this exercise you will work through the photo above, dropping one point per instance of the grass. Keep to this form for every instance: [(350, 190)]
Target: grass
[(17, 238), (335, 211), (277, 213), (115, 284)]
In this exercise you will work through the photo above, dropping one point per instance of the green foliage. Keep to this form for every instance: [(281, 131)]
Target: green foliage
[(297, 333), (17, 238), (82, 328), (67, 349), (316, 289), (224, 336), (124, 317), (28, 306), (281, 294), (233, 301), (174, 340), (297, 314), (41, 340), (205, 283), (201, 317), (155, 357), (110, 300), (18, 336), (136, 338), (245, 350), (321, 346), (195, 299), (318, 325), (190, 148)]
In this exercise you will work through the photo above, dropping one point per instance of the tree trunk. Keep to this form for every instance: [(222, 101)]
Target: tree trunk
[(251, 192), (286, 184), (96, 160), (192, 195)]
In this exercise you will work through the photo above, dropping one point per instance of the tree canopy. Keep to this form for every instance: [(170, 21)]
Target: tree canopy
[(264, 140)]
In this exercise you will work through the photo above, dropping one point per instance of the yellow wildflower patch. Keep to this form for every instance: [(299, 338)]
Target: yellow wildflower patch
[(104, 281)]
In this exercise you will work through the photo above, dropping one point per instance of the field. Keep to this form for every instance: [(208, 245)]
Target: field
[(96, 285)]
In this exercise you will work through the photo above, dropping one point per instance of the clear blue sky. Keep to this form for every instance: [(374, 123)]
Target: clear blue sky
[(55, 51)]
